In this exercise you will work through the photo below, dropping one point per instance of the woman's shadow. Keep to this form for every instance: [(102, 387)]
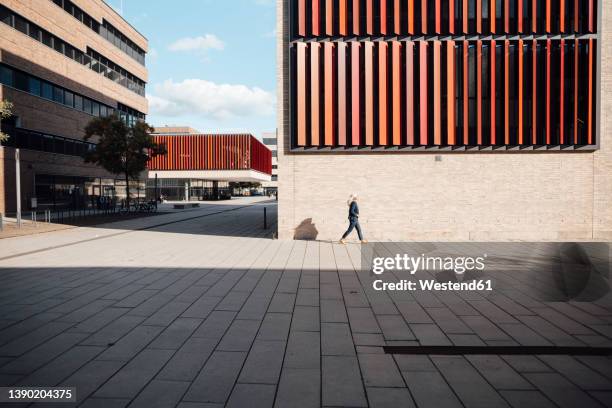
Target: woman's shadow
[(306, 231)]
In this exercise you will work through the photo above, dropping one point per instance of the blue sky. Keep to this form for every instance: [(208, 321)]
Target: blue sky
[(211, 62)]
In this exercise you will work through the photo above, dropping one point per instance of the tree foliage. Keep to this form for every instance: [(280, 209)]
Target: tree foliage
[(121, 149), (6, 108)]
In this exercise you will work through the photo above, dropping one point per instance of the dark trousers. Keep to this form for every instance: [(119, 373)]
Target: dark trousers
[(354, 223)]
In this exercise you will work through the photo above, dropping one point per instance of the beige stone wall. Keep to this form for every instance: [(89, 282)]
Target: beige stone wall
[(465, 196)]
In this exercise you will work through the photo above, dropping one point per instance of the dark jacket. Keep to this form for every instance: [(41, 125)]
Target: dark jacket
[(353, 210)]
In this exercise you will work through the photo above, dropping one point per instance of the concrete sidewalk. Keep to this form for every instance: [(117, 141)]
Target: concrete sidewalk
[(211, 312)]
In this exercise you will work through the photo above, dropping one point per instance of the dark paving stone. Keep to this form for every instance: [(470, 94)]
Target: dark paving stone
[(215, 325), (448, 321), (104, 403), (362, 320), (407, 362), (549, 331), (342, 384), (305, 319), (429, 390), (413, 312), (34, 338), (128, 382), (526, 364), (303, 350), (527, 399), (252, 395), (524, 335), (560, 391), (91, 376), (379, 370), (389, 397), (239, 336), (484, 328), (578, 373), (333, 311), (113, 331), (394, 328), (264, 362), (466, 340), (233, 301), (217, 378), (472, 389), (430, 335), (131, 344), (202, 307), (307, 297), (160, 394), (282, 303), (498, 373), (188, 360), (167, 314), (368, 339), (99, 320), (299, 388), (336, 340), (275, 326), (176, 334)]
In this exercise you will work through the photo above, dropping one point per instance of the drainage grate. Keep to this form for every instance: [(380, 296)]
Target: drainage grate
[(503, 350)]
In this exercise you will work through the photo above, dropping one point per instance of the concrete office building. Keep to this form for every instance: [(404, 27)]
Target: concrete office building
[(490, 124), (201, 166), (62, 63), (270, 140)]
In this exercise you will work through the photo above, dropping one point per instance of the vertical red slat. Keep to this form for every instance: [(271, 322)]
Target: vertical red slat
[(576, 15), (576, 47), (479, 91), (411, 16), (465, 93), (438, 16), (562, 15), (316, 17), (356, 17), (561, 92), (520, 16), (450, 81), (590, 103), (383, 17), (520, 51), (423, 91), (591, 17), (397, 17), (424, 16), (437, 98), (534, 16), (329, 90), (492, 66), (369, 93), (397, 96), (465, 16), (507, 16), (492, 15), (355, 94), (329, 17), (548, 49), (342, 17), (342, 86), (479, 16), (301, 94), (451, 16), (302, 18), (548, 19), (507, 92), (383, 125), (410, 92), (369, 17), (315, 98), (534, 101)]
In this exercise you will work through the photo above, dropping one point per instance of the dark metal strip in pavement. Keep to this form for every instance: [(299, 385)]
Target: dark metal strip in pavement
[(125, 232), (499, 350)]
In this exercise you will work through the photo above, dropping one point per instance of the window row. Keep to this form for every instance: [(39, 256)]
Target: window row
[(27, 139), (109, 70), (318, 18), (105, 29), (444, 93), (33, 85)]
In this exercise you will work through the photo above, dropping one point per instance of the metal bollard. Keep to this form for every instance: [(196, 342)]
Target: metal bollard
[(265, 218)]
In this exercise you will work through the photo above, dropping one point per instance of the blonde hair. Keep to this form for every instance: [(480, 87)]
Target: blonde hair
[(352, 197)]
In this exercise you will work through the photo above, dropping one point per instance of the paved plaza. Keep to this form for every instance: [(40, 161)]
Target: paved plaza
[(203, 308)]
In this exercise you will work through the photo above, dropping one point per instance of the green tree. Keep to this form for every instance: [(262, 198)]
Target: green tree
[(5, 113), (122, 149)]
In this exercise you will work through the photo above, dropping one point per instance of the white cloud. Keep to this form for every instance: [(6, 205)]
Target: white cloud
[(201, 43), (210, 100)]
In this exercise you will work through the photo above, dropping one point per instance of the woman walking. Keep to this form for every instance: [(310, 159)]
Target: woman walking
[(353, 217)]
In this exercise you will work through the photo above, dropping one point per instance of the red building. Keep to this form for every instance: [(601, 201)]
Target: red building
[(201, 166)]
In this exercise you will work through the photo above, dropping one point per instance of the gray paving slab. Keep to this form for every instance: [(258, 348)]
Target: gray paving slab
[(216, 380), (264, 362), (341, 382)]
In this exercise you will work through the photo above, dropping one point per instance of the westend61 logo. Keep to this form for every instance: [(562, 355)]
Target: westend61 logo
[(406, 264)]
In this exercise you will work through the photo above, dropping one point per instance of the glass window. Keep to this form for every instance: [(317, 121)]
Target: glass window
[(69, 98), (47, 90), (47, 144), (34, 86), (87, 105), (6, 75), (58, 94), (35, 32), (20, 81), (78, 14), (6, 16), (95, 108), (21, 24), (47, 39), (58, 2), (59, 145), (78, 102), (58, 45), (103, 111)]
